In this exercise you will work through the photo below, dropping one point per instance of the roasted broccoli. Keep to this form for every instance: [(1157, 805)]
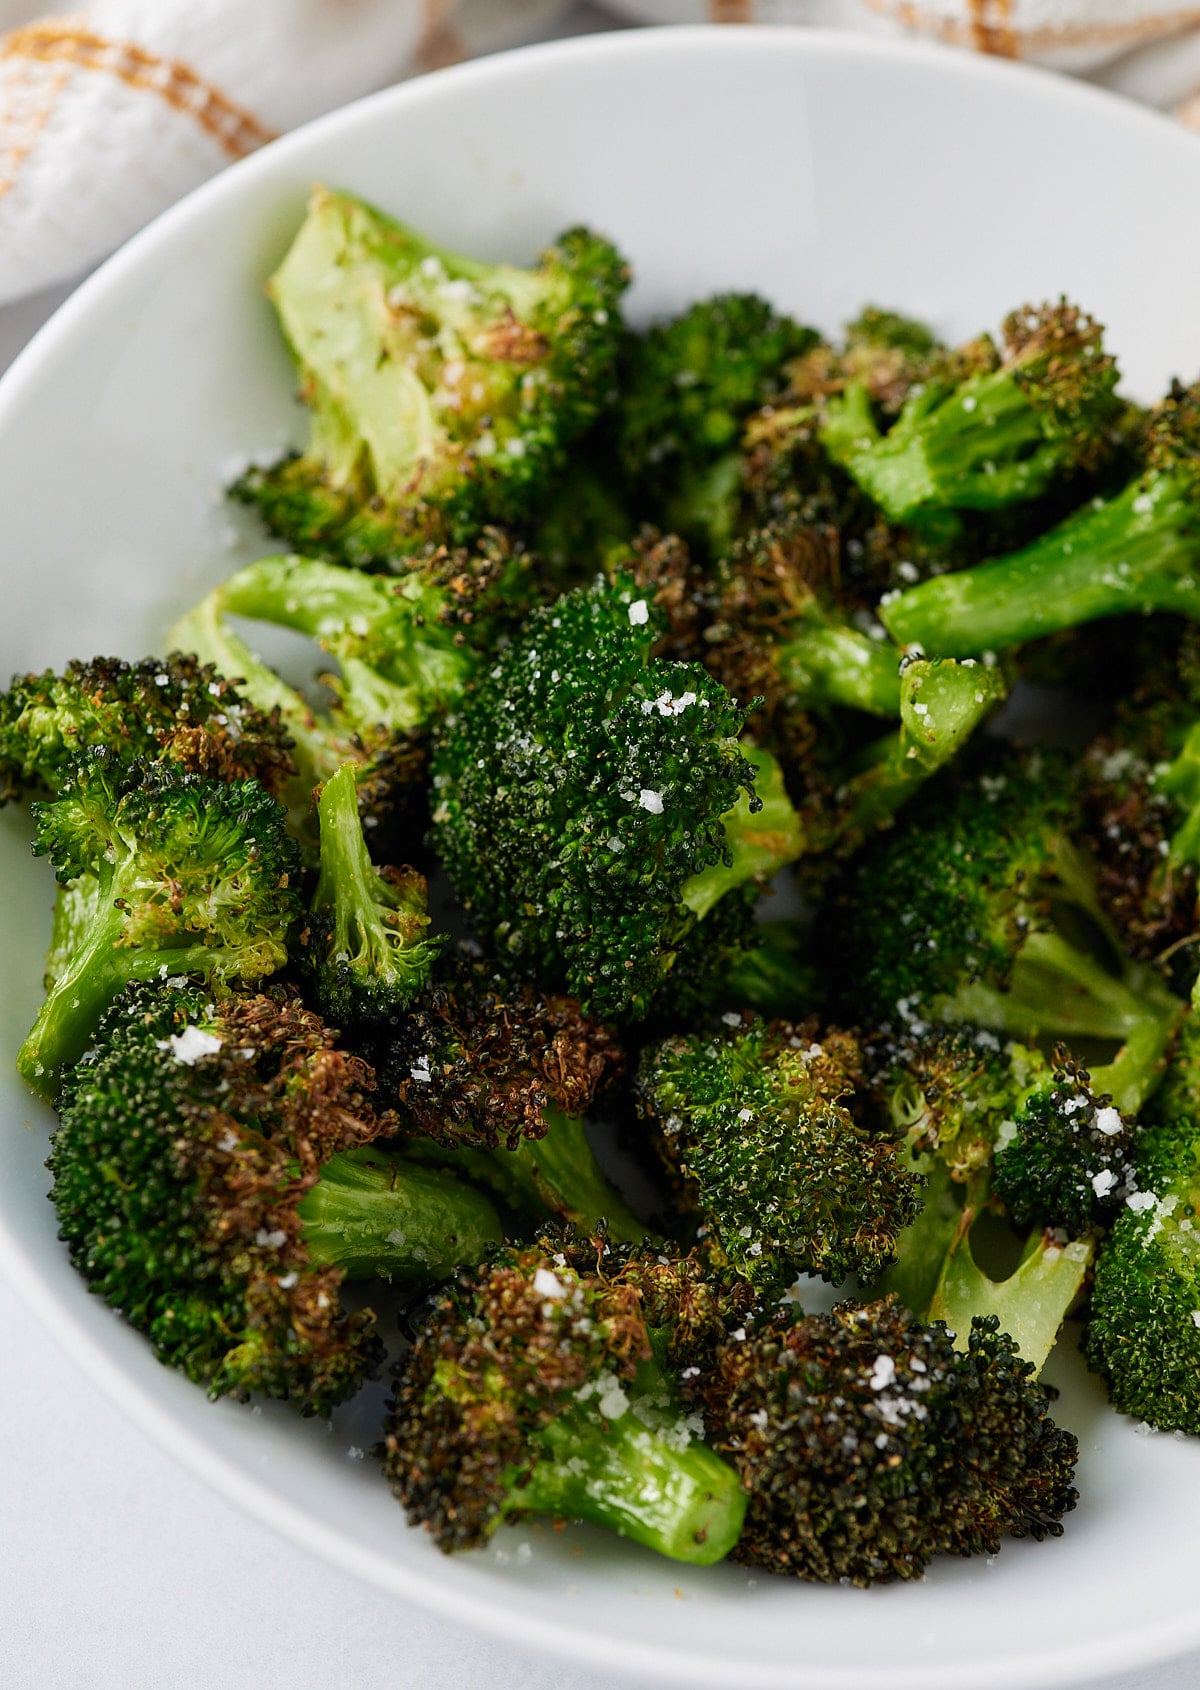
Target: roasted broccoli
[(365, 944), (498, 1079), (978, 907), (444, 391), (688, 385), (761, 1128), (1136, 552), (533, 1388), (869, 1444), (1143, 1335), (194, 876), (174, 708), (988, 429), (215, 1181), (589, 804)]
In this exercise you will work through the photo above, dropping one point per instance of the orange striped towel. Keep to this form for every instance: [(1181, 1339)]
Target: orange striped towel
[(110, 113), (1147, 48)]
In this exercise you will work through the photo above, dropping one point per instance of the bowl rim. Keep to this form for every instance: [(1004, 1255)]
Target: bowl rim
[(80, 1336)]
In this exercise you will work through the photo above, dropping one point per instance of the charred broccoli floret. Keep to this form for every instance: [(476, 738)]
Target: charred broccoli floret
[(759, 1125), (869, 1444), (443, 391), (193, 876), (1133, 553), (499, 1078), (175, 708), (215, 1181), (532, 1388), (986, 431), (365, 942), (592, 804), (1143, 1336)]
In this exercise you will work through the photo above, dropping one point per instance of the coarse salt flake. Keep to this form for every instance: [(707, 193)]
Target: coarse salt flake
[(547, 1284), (651, 800), (1108, 1120), (1103, 1182), (639, 613), (191, 1045)]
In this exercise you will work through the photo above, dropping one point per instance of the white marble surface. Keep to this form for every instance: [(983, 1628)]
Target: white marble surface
[(120, 1571)]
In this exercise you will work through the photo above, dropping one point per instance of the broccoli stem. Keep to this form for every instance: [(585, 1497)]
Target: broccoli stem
[(760, 842), (1058, 990), (682, 1503), (1138, 552), (964, 450), (376, 1217), (318, 751), (95, 976), (940, 706), (828, 663), (935, 1273), (555, 1178)]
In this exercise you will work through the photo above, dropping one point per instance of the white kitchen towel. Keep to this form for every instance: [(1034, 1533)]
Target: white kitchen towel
[(110, 112)]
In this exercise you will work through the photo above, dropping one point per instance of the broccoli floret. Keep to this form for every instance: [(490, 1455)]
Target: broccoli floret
[(957, 1093), (884, 355), (194, 876), (581, 790), (499, 1079), (365, 941), (759, 1125), (1143, 1336), (985, 437), (688, 385), (1133, 553), (869, 1444), (978, 907), (215, 1180), (532, 1388), (175, 708), (444, 391)]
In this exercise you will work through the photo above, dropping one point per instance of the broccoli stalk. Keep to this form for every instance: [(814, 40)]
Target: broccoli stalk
[(444, 392), (193, 876), (1134, 553), (365, 940), (533, 1388), (991, 437), (215, 1181)]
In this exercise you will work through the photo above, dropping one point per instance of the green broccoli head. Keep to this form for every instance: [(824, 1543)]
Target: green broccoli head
[(972, 437), (444, 391), (532, 1388), (175, 707), (187, 1141), (1068, 1161), (1143, 1336), (581, 788), (761, 1126), (484, 1063), (688, 386), (366, 943), (949, 1089), (194, 876), (869, 1444)]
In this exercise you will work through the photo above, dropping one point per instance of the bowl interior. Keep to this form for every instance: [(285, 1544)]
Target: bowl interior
[(825, 173)]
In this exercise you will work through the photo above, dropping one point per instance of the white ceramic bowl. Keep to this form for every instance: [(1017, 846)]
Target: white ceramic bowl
[(825, 172)]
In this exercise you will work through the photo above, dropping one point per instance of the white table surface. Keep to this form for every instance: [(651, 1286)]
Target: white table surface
[(120, 1571)]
